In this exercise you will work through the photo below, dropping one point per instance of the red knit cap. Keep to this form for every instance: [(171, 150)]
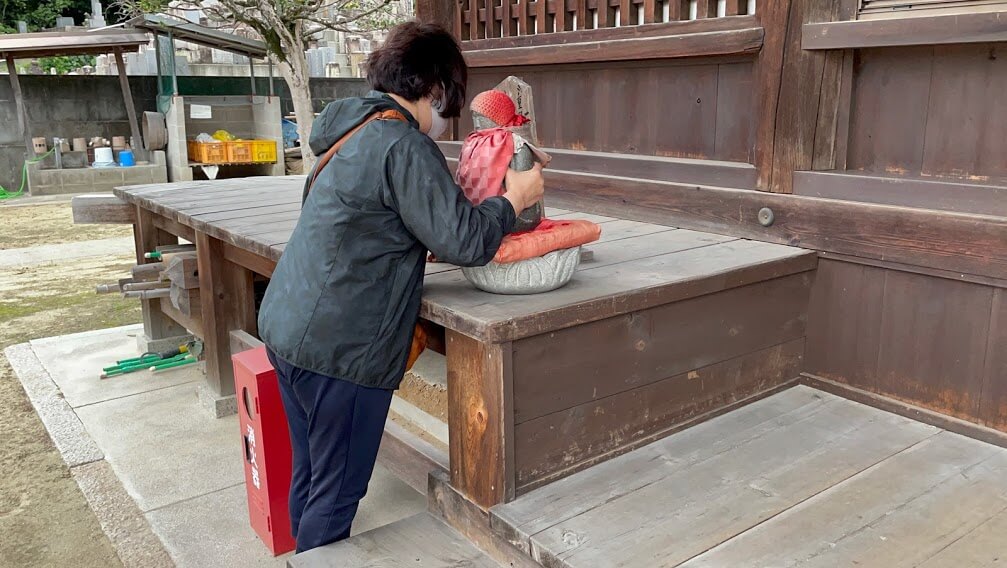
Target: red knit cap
[(496, 106)]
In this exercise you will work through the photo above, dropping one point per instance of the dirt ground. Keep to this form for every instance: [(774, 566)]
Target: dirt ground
[(44, 518), (23, 225)]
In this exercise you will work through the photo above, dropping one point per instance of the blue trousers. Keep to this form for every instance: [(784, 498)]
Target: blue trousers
[(335, 431)]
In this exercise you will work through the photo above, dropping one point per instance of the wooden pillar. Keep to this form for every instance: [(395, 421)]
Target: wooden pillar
[(768, 70), (799, 93), (227, 303), (438, 12), (480, 419), (127, 97), (147, 237), (22, 113), (810, 85)]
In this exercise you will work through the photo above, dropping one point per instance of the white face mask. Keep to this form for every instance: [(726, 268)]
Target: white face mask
[(438, 124)]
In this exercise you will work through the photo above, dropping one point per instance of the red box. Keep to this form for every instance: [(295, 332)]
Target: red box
[(266, 443)]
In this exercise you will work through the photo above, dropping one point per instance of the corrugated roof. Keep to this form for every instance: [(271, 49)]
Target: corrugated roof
[(202, 35), (50, 44)]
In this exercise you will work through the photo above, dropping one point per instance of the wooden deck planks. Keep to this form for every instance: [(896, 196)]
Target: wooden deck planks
[(802, 478), (605, 292), (984, 547), (922, 527), (572, 496), (819, 529), (698, 507)]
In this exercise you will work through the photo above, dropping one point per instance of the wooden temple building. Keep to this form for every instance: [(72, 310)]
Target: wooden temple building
[(790, 345)]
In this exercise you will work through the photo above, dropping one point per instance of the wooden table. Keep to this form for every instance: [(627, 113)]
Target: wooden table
[(662, 326)]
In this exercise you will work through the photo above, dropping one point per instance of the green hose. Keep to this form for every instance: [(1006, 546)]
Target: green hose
[(170, 364), (5, 194)]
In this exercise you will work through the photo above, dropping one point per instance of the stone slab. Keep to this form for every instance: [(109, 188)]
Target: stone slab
[(213, 530), (135, 543), (75, 363), (66, 430), (164, 447)]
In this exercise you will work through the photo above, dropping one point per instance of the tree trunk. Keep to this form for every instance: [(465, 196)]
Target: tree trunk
[(295, 73)]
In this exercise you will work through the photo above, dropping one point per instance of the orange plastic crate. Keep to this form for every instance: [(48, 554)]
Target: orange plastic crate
[(207, 152), (239, 151), (264, 151)]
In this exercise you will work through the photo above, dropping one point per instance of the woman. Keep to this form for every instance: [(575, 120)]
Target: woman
[(339, 312)]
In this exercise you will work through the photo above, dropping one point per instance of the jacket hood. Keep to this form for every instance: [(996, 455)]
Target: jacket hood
[(339, 117)]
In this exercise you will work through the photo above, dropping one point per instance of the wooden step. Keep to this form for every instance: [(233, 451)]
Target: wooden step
[(420, 541), (802, 477)]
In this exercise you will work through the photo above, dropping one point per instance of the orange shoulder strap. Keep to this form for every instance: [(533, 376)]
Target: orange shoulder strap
[(389, 114)]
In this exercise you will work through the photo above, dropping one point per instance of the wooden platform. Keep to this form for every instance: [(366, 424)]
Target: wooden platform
[(661, 327), (802, 478)]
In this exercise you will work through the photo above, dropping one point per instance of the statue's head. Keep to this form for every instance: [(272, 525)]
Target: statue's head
[(494, 109)]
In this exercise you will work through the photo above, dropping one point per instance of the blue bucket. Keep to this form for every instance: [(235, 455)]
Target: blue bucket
[(126, 159)]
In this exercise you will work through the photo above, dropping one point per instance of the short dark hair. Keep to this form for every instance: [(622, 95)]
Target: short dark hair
[(418, 60)]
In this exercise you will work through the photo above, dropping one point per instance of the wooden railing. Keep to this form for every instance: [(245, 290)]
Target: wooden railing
[(488, 19)]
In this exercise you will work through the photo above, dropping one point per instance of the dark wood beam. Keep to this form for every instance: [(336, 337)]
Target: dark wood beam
[(944, 195), (803, 84), (976, 27), (969, 244), (704, 172), (728, 42), (774, 18), (440, 12)]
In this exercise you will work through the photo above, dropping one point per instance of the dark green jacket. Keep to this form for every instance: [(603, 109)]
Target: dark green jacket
[(345, 295)]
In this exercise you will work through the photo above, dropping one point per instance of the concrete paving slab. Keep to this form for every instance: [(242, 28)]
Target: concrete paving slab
[(64, 427), (30, 256), (388, 499), (164, 478), (164, 447), (213, 530), (135, 543), (75, 361)]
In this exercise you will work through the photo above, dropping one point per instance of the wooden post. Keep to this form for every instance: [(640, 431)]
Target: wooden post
[(438, 12), (480, 419), (227, 303), (799, 93), (147, 237), (22, 113), (768, 71), (808, 79), (127, 97)]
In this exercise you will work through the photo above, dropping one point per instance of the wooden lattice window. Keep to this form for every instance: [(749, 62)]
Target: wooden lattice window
[(897, 8), (487, 19)]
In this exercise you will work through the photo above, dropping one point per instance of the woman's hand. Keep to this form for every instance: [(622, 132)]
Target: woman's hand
[(524, 189)]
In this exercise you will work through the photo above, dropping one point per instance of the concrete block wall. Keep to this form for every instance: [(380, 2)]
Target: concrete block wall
[(67, 107), (231, 113), (87, 106), (102, 180)]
